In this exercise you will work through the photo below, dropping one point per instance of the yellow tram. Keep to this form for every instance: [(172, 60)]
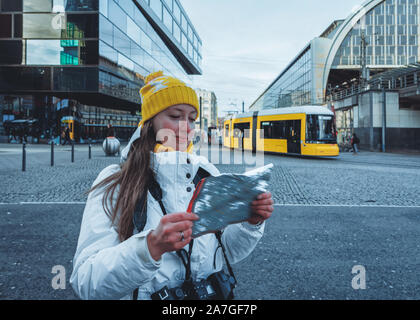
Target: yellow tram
[(74, 125), (306, 130)]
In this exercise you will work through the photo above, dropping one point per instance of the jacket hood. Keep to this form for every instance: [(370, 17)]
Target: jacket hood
[(126, 150)]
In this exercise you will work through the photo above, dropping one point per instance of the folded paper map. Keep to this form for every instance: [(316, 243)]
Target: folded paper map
[(226, 199)]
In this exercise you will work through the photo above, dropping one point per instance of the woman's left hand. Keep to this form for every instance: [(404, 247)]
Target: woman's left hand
[(262, 208)]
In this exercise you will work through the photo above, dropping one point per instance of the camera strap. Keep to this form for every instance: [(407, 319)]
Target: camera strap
[(219, 238), (140, 217)]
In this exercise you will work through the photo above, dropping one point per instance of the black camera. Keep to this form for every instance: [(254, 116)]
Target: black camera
[(218, 286), (169, 294), (223, 285)]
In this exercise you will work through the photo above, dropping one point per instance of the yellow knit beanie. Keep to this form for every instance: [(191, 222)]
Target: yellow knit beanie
[(161, 92)]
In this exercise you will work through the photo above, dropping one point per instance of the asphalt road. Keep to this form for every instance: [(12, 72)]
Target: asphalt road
[(307, 252)]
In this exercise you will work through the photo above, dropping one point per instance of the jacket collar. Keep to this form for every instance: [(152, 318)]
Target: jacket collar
[(161, 148)]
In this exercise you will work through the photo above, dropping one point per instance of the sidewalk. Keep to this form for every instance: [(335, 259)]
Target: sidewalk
[(406, 160), (39, 156), (10, 154)]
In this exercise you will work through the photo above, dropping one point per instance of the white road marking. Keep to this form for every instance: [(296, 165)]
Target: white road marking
[(344, 205), (276, 205), (53, 203)]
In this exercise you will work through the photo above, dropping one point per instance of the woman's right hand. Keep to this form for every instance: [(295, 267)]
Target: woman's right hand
[(168, 235)]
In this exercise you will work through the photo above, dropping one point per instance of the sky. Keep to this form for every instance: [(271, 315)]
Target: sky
[(246, 44)]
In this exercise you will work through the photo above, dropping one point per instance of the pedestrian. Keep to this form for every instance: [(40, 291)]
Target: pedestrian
[(116, 260), (354, 143), (110, 131), (67, 136)]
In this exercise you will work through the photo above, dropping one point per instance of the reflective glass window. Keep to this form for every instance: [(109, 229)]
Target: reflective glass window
[(177, 12), (10, 51), (125, 62), (169, 4), (81, 26), (75, 79), (177, 32), (146, 42), (141, 20), (41, 26), (61, 52), (107, 52), (189, 33), (89, 51), (26, 78), (128, 6), (117, 16), (184, 23), (18, 25), (106, 32), (121, 42), (59, 5), (11, 5), (37, 6), (402, 60), (137, 54), (148, 63), (412, 40), (167, 19), (184, 41), (156, 6), (43, 52), (133, 31), (81, 5), (5, 25), (103, 7)]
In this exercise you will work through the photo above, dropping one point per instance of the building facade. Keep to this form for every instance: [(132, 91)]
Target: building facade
[(87, 59), (380, 35), (208, 108)]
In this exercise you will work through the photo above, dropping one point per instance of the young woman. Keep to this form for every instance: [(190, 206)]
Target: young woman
[(112, 258)]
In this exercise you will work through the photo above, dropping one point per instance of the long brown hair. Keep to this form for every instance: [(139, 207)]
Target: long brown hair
[(132, 180)]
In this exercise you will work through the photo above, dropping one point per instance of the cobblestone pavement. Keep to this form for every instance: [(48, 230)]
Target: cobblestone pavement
[(364, 179), (309, 247)]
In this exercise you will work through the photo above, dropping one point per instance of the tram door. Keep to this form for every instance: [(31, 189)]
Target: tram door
[(254, 132), (293, 136)]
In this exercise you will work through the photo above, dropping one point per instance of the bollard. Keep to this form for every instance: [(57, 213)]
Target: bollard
[(72, 151), (52, 153), (90, 151), (24, 156)]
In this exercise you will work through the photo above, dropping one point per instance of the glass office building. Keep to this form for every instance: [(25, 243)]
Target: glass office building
[(88, 59), (390, 30), (292, 87)]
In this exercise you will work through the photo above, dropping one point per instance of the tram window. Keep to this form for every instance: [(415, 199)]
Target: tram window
[(243, 127), (278, 130), (265, 130), (320, 128), (227, 131), (274, 129)]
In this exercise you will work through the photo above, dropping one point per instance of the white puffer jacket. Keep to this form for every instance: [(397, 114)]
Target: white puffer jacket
[(105, 268)]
